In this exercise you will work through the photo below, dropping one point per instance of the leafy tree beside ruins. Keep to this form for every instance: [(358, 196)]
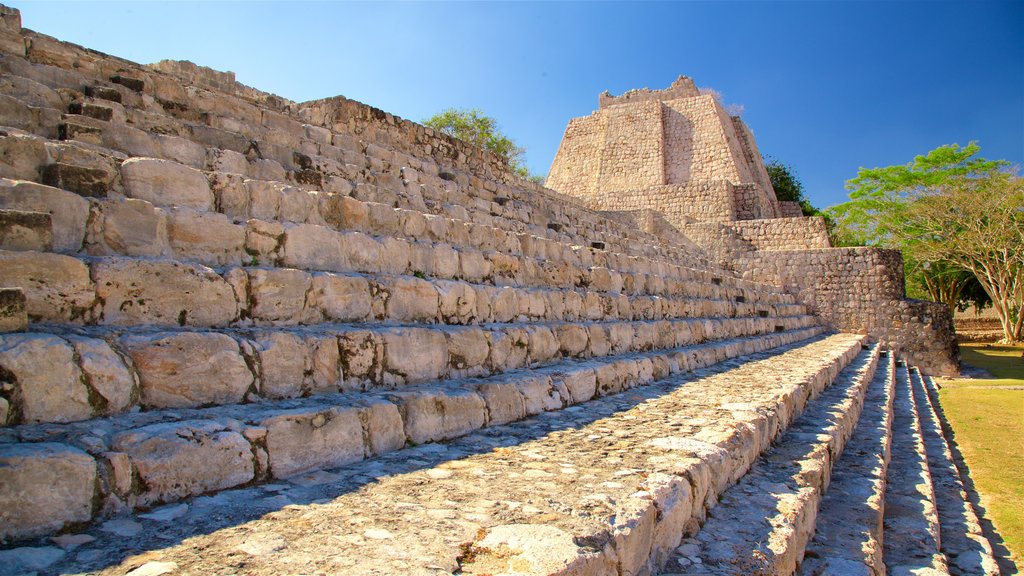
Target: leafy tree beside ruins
[(787, 185), (474, 127), (954, 215)]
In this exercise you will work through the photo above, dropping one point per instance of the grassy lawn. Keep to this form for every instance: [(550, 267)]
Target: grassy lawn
[(989, 426)]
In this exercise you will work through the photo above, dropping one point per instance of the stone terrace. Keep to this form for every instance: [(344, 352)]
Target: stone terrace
[(240, 331)]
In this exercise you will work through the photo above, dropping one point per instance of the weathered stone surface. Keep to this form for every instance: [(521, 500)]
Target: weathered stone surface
[(82, 180), (279, 294), (166, 183), (205, 237), (282, 362), (180, 459), (48, 383), (106, 373), (302, 440), (43, 488), (163, 292), (181, 369), (130, 227), (438, 414), (415, 354), (533, 549), (13, 315), (412, 300), (68, 212), (341, 298), (21, 230)]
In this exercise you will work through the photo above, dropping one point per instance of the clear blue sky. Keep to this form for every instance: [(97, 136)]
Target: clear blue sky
[(827, 87)]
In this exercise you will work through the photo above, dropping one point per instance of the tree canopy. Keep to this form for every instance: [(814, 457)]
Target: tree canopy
[(957, 217), (474, 127), (787, 185)]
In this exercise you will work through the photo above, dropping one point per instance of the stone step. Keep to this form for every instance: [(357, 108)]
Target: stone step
[(606, 488), (848, 533), (136, 290), (763, 523), (162, 456), (912, 540), (110, 370), (964, 544), (25, 230), (408, 240)]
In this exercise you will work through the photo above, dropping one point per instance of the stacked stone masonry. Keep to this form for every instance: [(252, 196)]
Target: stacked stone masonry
[(714, 190), (319, 338)]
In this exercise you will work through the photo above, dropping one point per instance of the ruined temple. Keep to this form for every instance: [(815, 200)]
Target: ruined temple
[(242, 334)]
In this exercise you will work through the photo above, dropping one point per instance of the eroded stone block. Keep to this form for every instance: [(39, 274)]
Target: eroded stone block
[(43, 488)]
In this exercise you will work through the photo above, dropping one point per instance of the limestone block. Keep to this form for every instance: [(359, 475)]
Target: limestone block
[(162, 292), (166, 183), (22, 154), (445, 261), (504, 304), (457, 302), (362, 358), (344, 212), (312, 247), (572, 339), (341, 298), (533, 549), (106, 373), (539, 394), (633, 533), (264, 199), (473, 267), (68, 212), (412, 300), (323, 364), (180, 459), (205, 237), (13, 317), (297, 205), (24, 230), (361, 252), (542, 344), (620, 336), (504, 402), (415, 354), (383, 425), (226, 161), (508, 349), (395, 255), (278, 294), (47, 381), (580, 382), (440, 414), (305, 439), (263, 242), (43, 488), (130, 227), (282, 361), (468, 350), (184, 369), (57, 288)]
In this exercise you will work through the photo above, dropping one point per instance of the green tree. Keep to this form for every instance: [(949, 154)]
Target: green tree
[(788, 187), (473, 127), (942, 210)]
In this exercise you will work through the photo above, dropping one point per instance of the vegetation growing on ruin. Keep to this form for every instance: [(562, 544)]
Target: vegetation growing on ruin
[(476, 128), (787, 185), (956, 216)]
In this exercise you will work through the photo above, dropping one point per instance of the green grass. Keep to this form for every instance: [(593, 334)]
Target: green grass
[(989, 426)]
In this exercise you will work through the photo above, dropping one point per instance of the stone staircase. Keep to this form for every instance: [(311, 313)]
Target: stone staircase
[(247, 335)]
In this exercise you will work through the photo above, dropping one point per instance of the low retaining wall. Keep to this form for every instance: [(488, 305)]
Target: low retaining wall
[(862, 290)]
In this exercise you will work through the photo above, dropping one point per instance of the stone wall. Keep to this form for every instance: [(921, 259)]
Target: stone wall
[(790, 210), (634, 145), (683, 87), (862, 290)]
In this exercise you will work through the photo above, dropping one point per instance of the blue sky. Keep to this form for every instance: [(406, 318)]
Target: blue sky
[(827, 87)]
